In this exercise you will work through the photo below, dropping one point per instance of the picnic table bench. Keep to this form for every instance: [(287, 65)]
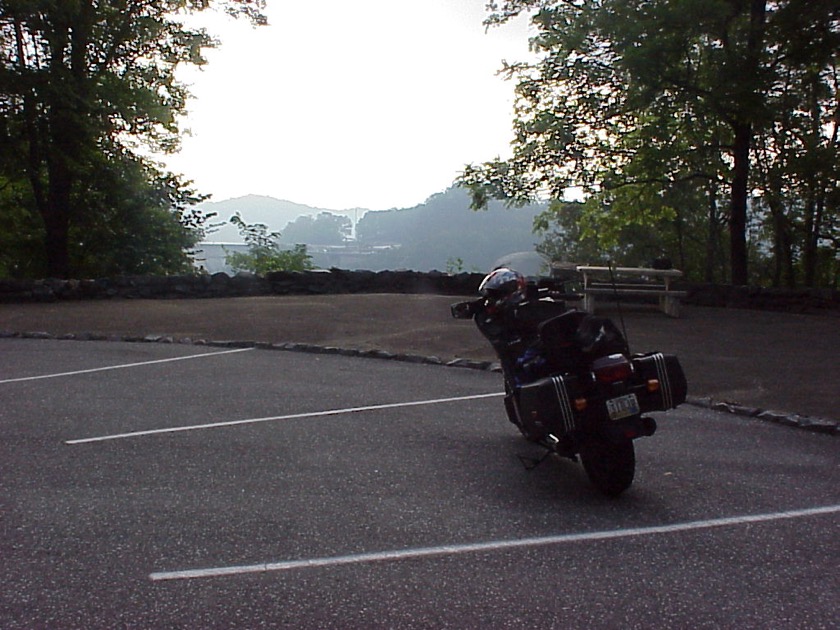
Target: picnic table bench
[(631, 281)]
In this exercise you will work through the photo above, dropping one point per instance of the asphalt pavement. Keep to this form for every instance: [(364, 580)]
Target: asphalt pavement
[(755, 360), (155, 485)]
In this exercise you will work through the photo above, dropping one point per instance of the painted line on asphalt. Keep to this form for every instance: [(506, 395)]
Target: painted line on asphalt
[(123, 366), (293, 416), (498, 545)]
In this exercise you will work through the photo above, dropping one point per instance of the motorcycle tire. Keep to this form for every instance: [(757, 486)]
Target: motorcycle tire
[(610, 466)]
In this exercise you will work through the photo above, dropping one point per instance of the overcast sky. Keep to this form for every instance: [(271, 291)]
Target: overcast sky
[(336, 104)]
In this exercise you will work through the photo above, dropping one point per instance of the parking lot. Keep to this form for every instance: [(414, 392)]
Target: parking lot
[(179, 486)]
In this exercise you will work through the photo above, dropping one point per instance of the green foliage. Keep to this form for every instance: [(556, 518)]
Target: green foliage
[(324, 229), (454, 265), (86, 89), (21, 247), (135, 221), (570, 233), (265, 253), (659, 110)]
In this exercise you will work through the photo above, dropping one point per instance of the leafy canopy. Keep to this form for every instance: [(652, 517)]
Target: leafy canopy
[(659, 111), (88, 91)]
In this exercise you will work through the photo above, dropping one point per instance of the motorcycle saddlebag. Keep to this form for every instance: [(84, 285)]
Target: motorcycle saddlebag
[(666, 369), (547, 405)]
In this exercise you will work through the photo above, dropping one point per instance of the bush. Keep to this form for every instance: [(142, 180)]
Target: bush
[(264, 251)]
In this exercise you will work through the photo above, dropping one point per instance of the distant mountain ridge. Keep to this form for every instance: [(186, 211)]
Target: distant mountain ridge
[(275, 213), (442, 233)]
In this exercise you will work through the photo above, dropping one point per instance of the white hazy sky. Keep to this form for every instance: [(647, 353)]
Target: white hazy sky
[(336, 104)]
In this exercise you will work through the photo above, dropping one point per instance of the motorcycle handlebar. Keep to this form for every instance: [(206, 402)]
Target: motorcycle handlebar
[(466, 310)]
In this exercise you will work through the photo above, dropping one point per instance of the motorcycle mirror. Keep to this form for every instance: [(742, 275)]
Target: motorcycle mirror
[(463, 310)]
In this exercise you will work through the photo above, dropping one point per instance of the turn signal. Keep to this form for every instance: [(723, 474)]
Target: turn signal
[(581, 404), (653, 385)]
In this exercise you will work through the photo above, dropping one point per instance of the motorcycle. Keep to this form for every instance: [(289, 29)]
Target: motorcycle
[(571, 384)]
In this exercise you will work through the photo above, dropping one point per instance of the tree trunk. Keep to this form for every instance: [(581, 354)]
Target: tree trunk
[(815, 206), (56, 213), (67, 107), (712, 234), (784, 272), (738, 205), (56, 243), (743, 128)]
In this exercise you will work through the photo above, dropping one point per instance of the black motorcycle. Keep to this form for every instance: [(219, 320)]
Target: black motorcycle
[(571, 384)]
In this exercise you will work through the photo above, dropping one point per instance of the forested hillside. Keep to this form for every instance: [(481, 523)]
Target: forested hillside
[(444, 233)]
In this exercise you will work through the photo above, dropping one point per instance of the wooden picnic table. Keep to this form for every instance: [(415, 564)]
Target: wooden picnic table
[(631, 281)]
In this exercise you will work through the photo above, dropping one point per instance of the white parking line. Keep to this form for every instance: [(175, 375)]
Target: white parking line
[(498, 545), (293, 416), (122, 366)]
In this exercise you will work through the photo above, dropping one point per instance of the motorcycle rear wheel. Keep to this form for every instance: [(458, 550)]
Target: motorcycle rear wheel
[(610, 466)]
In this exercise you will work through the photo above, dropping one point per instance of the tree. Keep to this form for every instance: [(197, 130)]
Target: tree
[(135, 221), (798, 153), (265, 253), (324, 229), (84, 85), (635, 100)]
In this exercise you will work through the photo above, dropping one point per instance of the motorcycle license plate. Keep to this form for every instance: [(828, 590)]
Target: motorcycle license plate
[(623, 407)]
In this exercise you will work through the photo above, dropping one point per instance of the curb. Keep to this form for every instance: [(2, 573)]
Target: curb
[(813, 424)]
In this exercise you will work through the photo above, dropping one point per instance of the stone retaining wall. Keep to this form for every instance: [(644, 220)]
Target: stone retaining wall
[(337, 281)]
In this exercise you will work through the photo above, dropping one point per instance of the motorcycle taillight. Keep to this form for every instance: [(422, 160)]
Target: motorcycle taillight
[(612, 368)]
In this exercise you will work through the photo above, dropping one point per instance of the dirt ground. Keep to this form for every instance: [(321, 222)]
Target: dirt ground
[(776, 361)]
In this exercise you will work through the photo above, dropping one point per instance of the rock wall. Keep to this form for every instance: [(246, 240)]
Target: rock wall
[(335, 281)]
